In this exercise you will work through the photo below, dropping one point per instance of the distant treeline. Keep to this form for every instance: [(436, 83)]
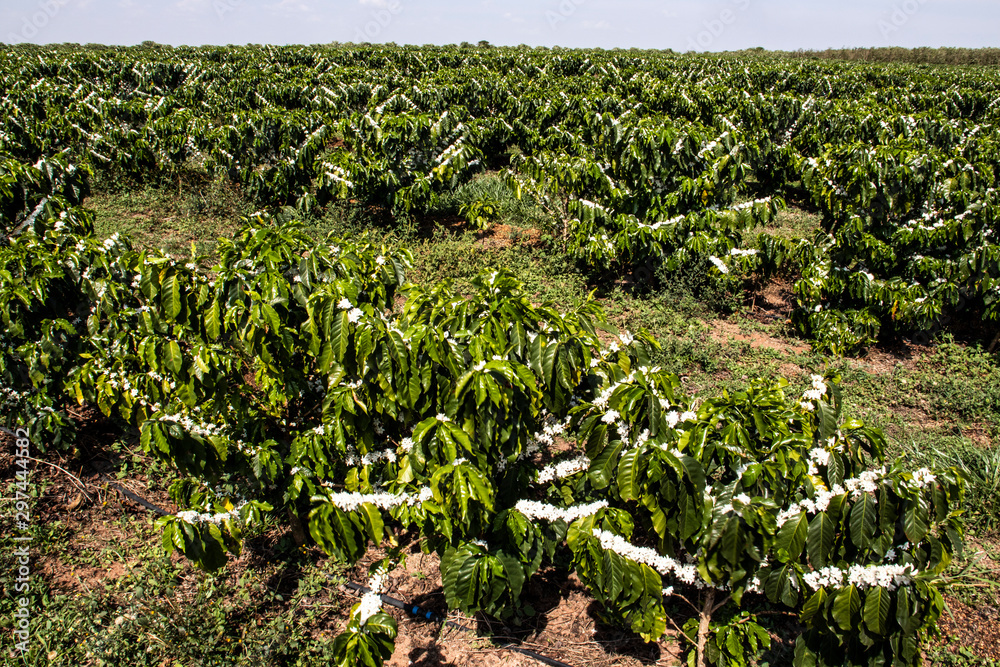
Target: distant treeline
[(894, 54)]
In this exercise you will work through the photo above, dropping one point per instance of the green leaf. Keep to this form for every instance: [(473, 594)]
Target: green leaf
[(603, 466), (730, 542), (695, 472), (514, 573), (373, 521), (916, 520), (782, 585), (908, 623), (629, 470), (792, 537), (863, 521), (876, 611), (804, 656), (325, 360), (822, 531), (383, 624), (170, 297), (614, 574), (827, 420), (212, 321), (340, 332), (548, 362), (172, 357), (812, 606), (846, 606)]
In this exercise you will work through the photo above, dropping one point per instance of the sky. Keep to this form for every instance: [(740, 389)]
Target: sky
[(681, 25)]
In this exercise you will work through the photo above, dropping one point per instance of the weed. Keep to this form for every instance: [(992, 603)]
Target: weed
[(491, 190), (692, 289), (961, 657), (979, 465)]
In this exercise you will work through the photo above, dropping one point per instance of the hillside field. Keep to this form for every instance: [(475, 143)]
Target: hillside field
[(610, 357)]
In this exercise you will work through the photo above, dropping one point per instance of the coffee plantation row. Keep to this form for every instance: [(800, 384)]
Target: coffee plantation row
[(310, 381), (643, 161)]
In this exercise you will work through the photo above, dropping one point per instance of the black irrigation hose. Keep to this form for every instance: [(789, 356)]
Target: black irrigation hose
[(431, 616), (118, 487), (134, 498), (410, 609)]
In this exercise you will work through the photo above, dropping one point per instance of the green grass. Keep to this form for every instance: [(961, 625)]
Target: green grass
[(958, 656), (461, 256), (349, 221), (979, 465), (962, 382), (794, 223), (171, 217)]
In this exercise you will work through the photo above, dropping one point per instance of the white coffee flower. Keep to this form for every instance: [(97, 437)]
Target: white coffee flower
[(563, 469), (537, 510), (924, 478), (719, 264), (370, 605), (820, 457)]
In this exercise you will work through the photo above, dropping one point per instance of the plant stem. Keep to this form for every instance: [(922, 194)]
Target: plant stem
[(707, 607), (298, 530)]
